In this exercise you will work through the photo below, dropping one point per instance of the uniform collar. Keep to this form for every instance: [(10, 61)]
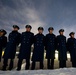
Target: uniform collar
[(72, 38), (1, 36), (14, 31), (40, 34), (27, 32), (51, 33), (61, 35)]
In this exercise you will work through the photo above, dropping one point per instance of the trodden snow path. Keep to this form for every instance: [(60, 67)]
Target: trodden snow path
[(65, 71)]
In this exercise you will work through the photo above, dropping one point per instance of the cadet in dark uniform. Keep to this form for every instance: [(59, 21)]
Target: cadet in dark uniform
[(38, 52), (50, 47), (71, 46), (25, 49), (61, 47), (10, 51), (3, 41)]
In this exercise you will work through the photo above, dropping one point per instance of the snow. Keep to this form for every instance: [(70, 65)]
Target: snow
[(65, 71)]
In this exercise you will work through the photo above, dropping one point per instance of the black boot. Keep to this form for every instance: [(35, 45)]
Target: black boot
[(19, 64), (33, 65), (48, 64), (5, 64), (11, 65), (41, 65), (52, 64), (27, 64)]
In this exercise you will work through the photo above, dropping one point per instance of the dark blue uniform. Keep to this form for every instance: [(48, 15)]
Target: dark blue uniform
[(3, 41), (61, 47), (38, 52), (25, 48), (71, 46), (13, 42), (50, 49)]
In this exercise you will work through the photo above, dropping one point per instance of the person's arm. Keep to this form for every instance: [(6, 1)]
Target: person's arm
[(19, 39), (32, 40), (55, 43), (68, 45), (46, 42), (4, 41)]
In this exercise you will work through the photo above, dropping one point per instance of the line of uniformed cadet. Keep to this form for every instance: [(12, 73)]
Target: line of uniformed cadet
[(50, 43)]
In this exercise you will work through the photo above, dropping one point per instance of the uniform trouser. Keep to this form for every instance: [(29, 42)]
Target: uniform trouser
[(5, 64), (62, 63), (34, 63), (73, 63), (20, 63), (0, 54), (50, 64)]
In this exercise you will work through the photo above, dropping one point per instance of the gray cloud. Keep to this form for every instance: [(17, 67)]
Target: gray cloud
[(56, 13), (21, 15)]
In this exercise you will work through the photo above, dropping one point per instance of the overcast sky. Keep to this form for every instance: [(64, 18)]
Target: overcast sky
[(46, 13)]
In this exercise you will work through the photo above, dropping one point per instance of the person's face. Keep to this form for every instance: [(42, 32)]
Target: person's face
[(15, 29), (61, 33), (28, 29), (72, 35), (50, 31), (40, 31), (1, 33)]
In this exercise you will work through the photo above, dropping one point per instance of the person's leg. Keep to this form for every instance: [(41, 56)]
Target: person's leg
[(52, 63), (60, 64), (64, 63), (11, 64), (33, 65), (27, 64), (41, 65), (5, 62), (73, 63), (19, 64), (48, 64), (0, 55)]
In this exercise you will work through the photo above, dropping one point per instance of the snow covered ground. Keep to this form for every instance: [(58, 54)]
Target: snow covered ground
[(65, 71)]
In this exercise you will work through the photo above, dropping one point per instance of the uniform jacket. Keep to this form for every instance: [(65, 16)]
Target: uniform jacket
[(13, 42), (61, 47), (26, 43), (3, 42), (71, 47), (38, 52), (50, 46)]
